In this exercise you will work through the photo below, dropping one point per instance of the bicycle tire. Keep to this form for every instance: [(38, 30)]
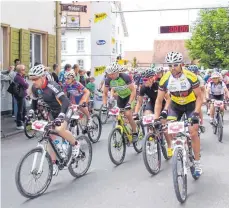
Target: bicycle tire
[(179, 154), (100, 115), (18, 178), (30, 136), (70, 168), (123, 144), (164, 152), (145, 153), (100, 129), (135, 144), (220, 128)]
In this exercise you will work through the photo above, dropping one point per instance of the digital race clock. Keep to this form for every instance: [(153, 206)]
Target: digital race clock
[(174, 29)]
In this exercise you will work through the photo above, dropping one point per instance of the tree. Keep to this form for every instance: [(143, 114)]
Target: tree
[(210, 38)]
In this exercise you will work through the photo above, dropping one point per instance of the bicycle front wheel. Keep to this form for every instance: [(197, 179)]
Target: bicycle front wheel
[(152, 154), (103, 115), (33, 173), (141, 134), (94, 131), (220, 127), (179, 177), (117, 145)]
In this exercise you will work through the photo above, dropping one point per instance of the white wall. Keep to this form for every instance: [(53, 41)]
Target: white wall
[(71, 55), (119, 35), (33, 15)]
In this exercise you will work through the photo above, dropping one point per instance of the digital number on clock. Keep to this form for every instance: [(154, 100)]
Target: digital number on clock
[(174, 29)]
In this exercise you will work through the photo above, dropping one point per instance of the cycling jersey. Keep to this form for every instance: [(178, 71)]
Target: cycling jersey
[(74, 90), (217, 89), (180, 89), (201, 81), (120, 85), (53, 95)]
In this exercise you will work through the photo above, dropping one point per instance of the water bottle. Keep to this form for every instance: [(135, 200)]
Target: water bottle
[(58, 144)]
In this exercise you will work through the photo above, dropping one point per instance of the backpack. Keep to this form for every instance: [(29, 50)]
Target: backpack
[(15, 89)]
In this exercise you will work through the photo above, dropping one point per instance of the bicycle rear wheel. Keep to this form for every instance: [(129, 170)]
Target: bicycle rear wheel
[(220, 127), (151, 148), (178, 173), (29, 132), (35, 175), (94, 132), (116, 142), (103, 114)]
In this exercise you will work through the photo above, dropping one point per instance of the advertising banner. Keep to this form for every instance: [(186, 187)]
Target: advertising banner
[(99, 17)]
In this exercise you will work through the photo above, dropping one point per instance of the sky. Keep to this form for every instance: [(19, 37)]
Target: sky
[(143, 27)]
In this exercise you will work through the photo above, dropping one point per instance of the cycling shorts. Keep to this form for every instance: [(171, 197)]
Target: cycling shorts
[(176, 111), (78, 98), (122, 102), (217, 97), (150, 106)]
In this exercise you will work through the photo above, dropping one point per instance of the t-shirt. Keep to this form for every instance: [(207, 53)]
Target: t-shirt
[(91, 87), (217, 89)]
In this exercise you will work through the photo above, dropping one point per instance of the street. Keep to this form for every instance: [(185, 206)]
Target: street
[(126, 186)]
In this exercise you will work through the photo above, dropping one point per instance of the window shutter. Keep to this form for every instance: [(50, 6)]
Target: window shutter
[(51, 50), (25, 48), (14, 44)]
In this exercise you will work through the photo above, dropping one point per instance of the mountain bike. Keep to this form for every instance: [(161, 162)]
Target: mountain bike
[(183, 158), (64, 160), (79, 121), (145, 101), (121, 136), (218, 120), (154, 143)]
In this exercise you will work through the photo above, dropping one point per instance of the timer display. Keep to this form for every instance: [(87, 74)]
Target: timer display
[(174, 29)]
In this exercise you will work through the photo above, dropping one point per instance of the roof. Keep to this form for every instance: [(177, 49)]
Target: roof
[(143, 57), (162, 47)]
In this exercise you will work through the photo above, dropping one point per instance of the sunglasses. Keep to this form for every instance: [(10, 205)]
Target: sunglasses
[(35, 79), (173, 65), (145, 79)]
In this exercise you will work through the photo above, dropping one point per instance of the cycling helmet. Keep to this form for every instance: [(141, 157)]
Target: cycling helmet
[(224, 72), (148, 73), (193, 68), (173, 57), (113, 68), (37, 71), (158, 69), (216, 70), (69, 73), (215, 75)]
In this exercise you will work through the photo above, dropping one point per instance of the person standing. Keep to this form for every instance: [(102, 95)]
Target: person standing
[(67, 68), (20, 80), (76, 69), (55, 73)]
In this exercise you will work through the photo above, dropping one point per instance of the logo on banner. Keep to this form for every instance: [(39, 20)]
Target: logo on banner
[(112, 40), (100, 42), (99, 17), (99, 70)]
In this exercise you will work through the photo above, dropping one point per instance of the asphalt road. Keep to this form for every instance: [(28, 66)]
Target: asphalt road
[(126, 186)]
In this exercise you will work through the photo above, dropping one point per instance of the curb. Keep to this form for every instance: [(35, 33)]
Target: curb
[(6, 135)]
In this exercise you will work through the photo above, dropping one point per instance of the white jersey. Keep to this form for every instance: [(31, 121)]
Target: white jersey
[(217, 89)]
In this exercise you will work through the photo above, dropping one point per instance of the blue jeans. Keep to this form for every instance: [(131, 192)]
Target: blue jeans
[(15, 107)]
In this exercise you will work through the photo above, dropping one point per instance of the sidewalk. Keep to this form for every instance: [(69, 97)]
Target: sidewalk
[(8, 127)]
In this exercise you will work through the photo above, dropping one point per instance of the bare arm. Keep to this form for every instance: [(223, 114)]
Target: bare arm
[(105, 95), (133, 92), (207, 92), (168, 101), (139, 104), (158, 104), (85, 96), (199, 100)]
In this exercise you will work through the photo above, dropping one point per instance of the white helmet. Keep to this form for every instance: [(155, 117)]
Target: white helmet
[(223, 72), (69, 73), (215, 75), (173, 57), (113, 68), (158, 69), (37, 71)]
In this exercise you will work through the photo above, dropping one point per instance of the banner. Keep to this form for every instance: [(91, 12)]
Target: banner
[(122, 62), (99, 70), (73, 21), (99, 17), (112, 40)]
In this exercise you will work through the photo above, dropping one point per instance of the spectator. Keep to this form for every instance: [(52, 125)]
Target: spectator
[(82, 77), (67, 68), (55, 73), (76, 69), (16, 62), (20, 79), (91, 87), (88, 76)]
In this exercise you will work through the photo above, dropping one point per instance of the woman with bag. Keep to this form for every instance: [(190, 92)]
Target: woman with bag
[(21, 95)]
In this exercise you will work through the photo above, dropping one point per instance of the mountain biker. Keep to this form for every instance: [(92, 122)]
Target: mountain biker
[(216, 89), (122, 84), (53, 95), (186, 98)]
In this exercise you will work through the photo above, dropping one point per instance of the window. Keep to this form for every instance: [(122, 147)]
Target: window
[(81, 63), (35, 48), (80, 45), (63, 45)]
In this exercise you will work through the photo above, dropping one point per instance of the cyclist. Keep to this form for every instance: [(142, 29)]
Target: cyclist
[(225, 77), (194, 69), (216, 90), (159, 73), (208, 75), (77, 93), (52, 94), (186, 97), (150, 88), (122, 84)]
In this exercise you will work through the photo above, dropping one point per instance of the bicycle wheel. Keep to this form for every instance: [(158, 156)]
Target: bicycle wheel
[(220, 127), (141, 134), (151, 148), (103, 115), (83, 121), (29, 132), (180, 190), (35, 175), (94, 132), (118, 145), (164, 147), (84, 159)]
